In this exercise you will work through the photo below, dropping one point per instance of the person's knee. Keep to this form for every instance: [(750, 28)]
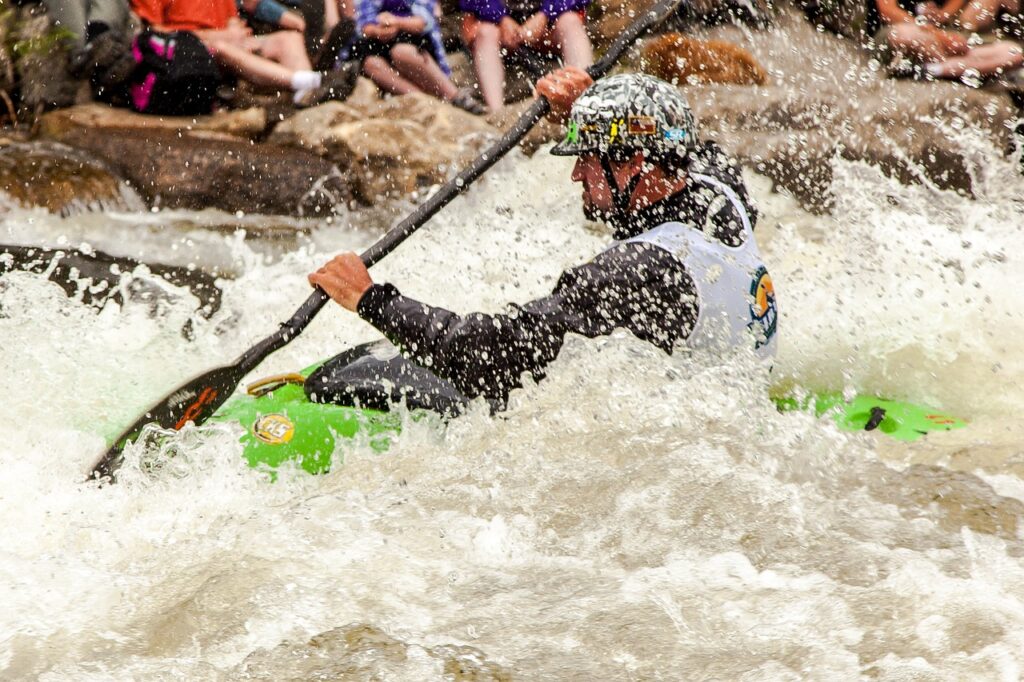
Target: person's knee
[(403, 53), (569, 21), (285, 43), (374, 65), (487, 34)]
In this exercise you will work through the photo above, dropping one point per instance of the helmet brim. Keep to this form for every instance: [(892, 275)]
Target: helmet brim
[(573, 149)]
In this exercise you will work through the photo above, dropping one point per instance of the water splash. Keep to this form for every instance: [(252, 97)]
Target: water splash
[(634, 516)]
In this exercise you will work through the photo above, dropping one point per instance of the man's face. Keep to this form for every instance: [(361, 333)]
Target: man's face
[(597, 196)]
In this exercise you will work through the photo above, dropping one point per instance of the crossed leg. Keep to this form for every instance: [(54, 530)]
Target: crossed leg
[(280, 55), (417, 66), (985, 59), (386, 77)]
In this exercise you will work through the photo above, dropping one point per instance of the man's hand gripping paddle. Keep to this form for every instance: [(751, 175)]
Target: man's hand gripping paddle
[(196, 400)]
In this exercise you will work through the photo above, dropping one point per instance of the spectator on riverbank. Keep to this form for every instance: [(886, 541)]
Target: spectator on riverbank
[(328, 25), (960, 38), (275, 60), (493, 28), (400, 47)]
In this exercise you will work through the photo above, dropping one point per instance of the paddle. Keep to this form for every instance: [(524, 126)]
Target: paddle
[(196, 400)]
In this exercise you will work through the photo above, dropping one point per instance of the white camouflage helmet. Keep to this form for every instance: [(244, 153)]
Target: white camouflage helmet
[(629, 113)]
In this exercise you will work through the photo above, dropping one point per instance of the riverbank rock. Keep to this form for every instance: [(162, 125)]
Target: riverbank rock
[(829, 100), (241, 123), (391, 147), (196, 163)]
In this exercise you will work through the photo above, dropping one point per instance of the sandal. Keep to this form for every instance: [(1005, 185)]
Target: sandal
[(467, 102)]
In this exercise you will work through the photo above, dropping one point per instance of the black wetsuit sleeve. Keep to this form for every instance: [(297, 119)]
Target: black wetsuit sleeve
[(634, 286)]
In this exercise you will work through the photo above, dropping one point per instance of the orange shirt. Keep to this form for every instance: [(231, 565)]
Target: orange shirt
[(186, 15)]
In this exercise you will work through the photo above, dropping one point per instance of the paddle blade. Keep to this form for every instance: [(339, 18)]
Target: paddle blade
[(194, 401)]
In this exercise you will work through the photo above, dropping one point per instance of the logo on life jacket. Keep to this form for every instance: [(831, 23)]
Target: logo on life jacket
[(764, 312), (275, 429)]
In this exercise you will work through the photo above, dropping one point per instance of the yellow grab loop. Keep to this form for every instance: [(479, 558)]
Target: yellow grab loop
[(272, 383)]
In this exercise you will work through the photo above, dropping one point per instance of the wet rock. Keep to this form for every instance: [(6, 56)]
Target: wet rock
[(956, 499), (95, 278), (60, 179), (363, 652), (307, 128)]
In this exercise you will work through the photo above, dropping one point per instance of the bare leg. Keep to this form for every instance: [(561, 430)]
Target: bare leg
[(979, 15), (251, 67), (287, 48), (331, 15), (420, 68), (490, 70), (386, 78), (571, 35), (986, 60)]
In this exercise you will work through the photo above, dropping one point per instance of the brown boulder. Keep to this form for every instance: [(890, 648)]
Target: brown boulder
[(307, 128), (391, 147), (193, 172), (681, 60), (202, 162)]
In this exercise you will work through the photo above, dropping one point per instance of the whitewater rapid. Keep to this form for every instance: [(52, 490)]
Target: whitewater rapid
[(633, 517)]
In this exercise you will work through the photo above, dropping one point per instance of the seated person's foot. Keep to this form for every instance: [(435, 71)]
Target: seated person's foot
[(467, 102), (906, 69), (336, 86), (1014, 79)]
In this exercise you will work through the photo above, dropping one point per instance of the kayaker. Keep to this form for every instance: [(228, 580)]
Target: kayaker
[(684, 267)]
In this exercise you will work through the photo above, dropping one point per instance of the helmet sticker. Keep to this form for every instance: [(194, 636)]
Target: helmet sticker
[(642, 125), (572, 134)]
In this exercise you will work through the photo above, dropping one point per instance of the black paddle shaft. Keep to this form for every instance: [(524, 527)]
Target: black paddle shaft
[(197, 400)]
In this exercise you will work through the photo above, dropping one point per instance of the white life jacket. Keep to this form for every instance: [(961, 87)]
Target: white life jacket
[(736, 299)]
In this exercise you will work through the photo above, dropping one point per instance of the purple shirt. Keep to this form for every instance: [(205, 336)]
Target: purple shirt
[(493, 11)]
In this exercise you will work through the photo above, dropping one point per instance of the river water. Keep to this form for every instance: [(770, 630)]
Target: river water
[(633, 517)]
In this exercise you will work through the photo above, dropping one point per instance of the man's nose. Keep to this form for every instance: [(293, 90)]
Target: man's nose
[(577, 171)]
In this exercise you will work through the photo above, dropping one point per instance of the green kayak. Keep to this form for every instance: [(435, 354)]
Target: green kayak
[(286, 420)]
